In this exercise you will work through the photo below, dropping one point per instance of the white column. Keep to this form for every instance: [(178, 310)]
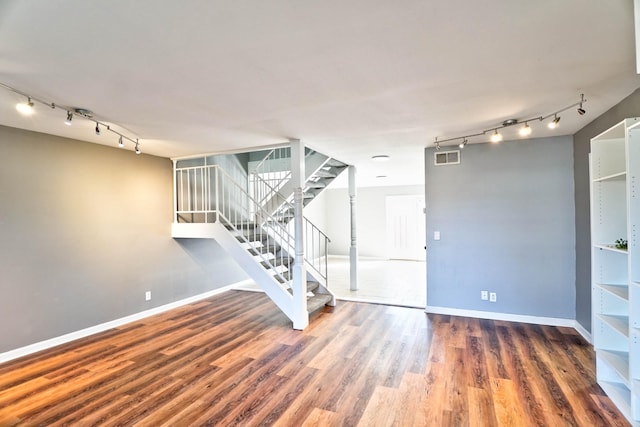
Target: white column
[(299, 286), (353, 249)]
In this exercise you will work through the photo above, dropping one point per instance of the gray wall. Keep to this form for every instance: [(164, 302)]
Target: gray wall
[(506, 218), (371, 218), (628, 107), (86, 230)]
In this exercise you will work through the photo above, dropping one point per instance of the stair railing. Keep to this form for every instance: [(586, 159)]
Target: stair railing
[(316, 243), (207, 194), (274, 170)]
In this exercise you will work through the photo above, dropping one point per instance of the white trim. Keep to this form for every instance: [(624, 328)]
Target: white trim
[(63, 339), (551, 321), (582, 331)]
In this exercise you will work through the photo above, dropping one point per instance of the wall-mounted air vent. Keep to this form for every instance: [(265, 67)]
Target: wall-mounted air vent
[(441, 158)]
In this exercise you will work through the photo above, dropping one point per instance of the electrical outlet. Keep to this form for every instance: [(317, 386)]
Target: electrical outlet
[(484, 295), (147, 296), (493, 297)]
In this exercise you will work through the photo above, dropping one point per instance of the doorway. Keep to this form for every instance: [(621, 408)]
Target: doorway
[(405, 225)]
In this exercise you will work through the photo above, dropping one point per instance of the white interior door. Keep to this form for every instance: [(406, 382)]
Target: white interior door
[(405, 227)]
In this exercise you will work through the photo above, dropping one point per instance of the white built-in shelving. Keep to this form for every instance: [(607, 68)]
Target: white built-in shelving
[(615, 215)]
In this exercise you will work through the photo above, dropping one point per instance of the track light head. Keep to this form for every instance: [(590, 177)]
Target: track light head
[(437, 146), (525, 130), (554, 123), (25, 108), (496, 137), (97, 129), (581, 110), (138, 151), (69, 118), (120, 142)]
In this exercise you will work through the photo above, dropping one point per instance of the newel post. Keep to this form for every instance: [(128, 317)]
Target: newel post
[(301, 316), (353, 248)]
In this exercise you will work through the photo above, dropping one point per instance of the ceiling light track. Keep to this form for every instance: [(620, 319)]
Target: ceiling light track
[(28, 107), (525, 131)]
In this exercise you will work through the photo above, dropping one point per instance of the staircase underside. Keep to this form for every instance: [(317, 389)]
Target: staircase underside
[(255, 266)]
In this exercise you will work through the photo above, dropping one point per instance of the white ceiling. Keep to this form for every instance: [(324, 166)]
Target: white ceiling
[(350, 78)]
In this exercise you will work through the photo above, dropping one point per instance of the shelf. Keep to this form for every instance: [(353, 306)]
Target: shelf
[(611, 248), (613, 177), (618, 361), (614, 168), (618, 323), (620, 395), (620, 291)]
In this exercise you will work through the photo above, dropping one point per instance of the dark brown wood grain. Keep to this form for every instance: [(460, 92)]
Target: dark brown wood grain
[(234, 360)]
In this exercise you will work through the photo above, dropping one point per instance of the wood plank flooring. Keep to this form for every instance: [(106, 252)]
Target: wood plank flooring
[(234, 360)]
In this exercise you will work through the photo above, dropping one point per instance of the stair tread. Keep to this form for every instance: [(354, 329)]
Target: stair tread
[(318, 301), (277, 262), (323, 173), (335, 163), (311, 286), (317, 184)]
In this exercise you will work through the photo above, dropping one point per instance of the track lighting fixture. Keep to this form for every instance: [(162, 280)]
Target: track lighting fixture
[(28, 108), (526, 130), (496, 137), (25, 108), (554, 123), (462, 143)]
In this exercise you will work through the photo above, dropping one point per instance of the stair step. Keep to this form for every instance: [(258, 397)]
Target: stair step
[(251, 245), (276, 262), (318, 301), (317, 184), (263, 250), (335, 163), (242, 226), (311, 286), (268, 256), (277, 269), (323, 173), (287, 277)]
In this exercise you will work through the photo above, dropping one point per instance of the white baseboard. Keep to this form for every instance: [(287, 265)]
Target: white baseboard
[(551, 321), (582, 331), (63, 339)]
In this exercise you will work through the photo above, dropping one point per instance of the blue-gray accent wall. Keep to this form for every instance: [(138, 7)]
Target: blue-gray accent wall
[(506, 220)]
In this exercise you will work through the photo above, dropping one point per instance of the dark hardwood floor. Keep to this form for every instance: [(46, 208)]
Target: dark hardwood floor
[(234, 360)]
